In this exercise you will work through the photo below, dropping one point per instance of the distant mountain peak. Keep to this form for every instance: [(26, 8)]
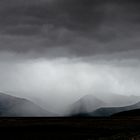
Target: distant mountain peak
[(104, 104), (89, 97), (87, 104)]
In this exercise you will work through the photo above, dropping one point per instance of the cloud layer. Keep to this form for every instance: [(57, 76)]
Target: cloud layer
[(78, 26)]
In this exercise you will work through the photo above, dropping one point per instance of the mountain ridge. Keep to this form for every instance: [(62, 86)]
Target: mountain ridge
[(11, 106), (108, 111), (91, 105)]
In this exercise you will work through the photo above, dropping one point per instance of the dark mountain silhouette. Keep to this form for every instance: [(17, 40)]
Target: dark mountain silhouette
[(86, 104), (11, 106), (130, 113), (112, 110)]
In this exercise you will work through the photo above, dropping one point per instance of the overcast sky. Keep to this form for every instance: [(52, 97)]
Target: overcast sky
[(55, 51)]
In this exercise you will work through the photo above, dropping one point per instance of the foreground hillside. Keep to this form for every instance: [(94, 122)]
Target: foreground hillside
[(71, 128)]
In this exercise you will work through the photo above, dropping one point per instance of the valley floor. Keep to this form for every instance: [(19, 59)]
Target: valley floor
[(71, 128)]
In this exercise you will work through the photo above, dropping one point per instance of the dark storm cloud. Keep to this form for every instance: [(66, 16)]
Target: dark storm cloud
[(74, 14), (81, 26)]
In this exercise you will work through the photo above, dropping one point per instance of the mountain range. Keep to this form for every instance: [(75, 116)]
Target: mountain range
[(91, 105), (113, 110), (11, 106)]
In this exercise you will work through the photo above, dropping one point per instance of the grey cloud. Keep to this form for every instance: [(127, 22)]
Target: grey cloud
[(22, 30), (82, 27), (75, 13)]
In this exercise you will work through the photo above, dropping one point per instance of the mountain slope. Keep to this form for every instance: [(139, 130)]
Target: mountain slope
[(11, 106), (112, 110), (130, 113), (86, 104), (117, 100)]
